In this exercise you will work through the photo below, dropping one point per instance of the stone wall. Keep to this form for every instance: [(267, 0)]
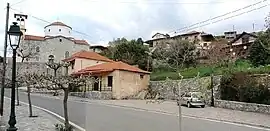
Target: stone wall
[(242, 106), (167, 88), (94, 95)]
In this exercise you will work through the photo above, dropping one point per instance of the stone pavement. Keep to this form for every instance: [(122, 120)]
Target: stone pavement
[(170, 107), (44, 121)]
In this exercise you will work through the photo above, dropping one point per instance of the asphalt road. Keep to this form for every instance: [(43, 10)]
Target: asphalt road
[(107, 118)]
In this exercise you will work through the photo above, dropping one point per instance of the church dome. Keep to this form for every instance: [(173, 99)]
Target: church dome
[(57, 29)]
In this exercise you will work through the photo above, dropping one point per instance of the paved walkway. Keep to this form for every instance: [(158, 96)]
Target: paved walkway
[(44, 121), (169, 107)]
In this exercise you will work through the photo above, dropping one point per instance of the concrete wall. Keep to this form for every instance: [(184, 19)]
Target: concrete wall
[(83, 63), (95, 95), (242, 106), (129, 83)]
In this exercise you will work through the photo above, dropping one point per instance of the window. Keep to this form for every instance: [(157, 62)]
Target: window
[(37, 49), (141, 76), (66, 54), (37, 58), (59, 30), (60, 40), (110, 81), (72, 64), (49, 30), (204, 44)]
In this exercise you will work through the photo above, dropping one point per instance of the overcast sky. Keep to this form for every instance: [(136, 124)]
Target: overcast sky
[(104, 20)]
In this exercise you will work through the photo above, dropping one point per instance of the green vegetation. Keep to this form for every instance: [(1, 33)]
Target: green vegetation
[(238, 66), (244, 88)]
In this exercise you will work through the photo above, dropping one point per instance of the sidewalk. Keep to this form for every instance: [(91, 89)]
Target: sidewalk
[(220, 114), (44, 121)]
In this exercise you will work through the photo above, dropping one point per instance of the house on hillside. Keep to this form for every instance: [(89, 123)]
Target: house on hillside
[(98, 48), (239, 47), (202, 39), (121, 79)]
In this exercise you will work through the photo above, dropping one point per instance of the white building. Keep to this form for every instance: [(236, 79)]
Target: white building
[(57, 41)]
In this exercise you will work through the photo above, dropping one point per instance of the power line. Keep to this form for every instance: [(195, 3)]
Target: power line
[(157, 2), (45, 21), (18, 2), (216, 17), (210, 23)]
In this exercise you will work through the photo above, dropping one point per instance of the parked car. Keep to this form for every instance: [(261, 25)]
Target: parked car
[(192, 99)]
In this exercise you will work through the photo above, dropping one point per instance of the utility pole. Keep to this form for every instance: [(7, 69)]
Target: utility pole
[(253, 27), (4, 63)]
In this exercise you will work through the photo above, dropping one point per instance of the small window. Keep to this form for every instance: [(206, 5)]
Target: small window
[(110, 81), (49, 30), (37, 58), (60, 40), (37, 49), (141, 76), (66, 54), (204, 44), (59, 30)]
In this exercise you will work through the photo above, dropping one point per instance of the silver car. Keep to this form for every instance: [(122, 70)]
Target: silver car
[(192, 99)]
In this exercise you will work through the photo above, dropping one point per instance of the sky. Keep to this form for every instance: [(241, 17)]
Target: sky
[(102, 21)]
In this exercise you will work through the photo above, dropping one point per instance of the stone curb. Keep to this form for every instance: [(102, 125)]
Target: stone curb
[(191, 116), (58, 117)]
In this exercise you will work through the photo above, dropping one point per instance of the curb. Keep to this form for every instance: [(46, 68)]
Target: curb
[(60, 118), (188, 116)]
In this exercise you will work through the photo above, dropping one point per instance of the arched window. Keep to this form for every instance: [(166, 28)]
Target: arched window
[(37, 49), (66, 54)]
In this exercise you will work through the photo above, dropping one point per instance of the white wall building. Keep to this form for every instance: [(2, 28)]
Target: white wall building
[(58, 41)]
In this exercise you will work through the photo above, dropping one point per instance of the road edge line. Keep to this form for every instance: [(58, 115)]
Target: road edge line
[(60, 118)]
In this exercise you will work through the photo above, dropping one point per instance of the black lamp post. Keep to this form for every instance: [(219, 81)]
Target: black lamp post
[(14, 34)]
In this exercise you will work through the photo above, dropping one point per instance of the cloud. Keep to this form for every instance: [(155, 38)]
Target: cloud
[(104, 20)]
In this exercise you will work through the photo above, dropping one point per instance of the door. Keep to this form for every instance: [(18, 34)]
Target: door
[(186, 97), (96, 84)]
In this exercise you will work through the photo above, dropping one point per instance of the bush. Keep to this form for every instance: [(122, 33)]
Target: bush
[(61, 127), (242, 87)]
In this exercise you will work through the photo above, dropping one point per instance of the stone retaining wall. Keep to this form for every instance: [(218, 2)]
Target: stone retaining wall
[(95, 95), (167, 88), (242, 106)]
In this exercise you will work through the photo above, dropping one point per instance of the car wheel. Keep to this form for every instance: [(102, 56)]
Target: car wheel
[(203, 106), (188, 105)]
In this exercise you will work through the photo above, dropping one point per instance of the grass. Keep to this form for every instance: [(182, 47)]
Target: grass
[(238, 66)]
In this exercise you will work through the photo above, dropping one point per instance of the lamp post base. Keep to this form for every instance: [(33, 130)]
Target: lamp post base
[(12, 129)]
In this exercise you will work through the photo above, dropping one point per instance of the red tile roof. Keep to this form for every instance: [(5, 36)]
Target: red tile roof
[(32, 37), (58, 23), (80, 42), (88, 55), (109, 67), (41, 38)]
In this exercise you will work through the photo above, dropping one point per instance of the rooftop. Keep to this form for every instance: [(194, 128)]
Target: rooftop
[(42, 38), (88, 55), (58, 23), (109, 67)]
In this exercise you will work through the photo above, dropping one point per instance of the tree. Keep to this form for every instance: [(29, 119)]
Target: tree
[(31, 80), (260, 51), (65, 83), (132, 52), (24, 53), (177, 54)]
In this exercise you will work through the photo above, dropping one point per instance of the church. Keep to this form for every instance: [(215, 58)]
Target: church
[(57, 41)]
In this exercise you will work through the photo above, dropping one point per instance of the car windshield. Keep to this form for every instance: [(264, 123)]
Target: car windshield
[(196, 95)]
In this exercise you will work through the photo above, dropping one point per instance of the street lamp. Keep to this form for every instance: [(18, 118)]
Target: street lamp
[(14, 34)]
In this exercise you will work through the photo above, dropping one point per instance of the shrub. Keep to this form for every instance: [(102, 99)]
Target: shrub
[(242, 87), (61, 127)]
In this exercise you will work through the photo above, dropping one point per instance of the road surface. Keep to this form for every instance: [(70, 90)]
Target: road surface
[(96, 117)]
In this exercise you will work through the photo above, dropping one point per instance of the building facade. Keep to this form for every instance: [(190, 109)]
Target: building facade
[(57, 41)]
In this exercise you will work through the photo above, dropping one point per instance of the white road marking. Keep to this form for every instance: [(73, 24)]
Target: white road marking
[(54, 114)]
